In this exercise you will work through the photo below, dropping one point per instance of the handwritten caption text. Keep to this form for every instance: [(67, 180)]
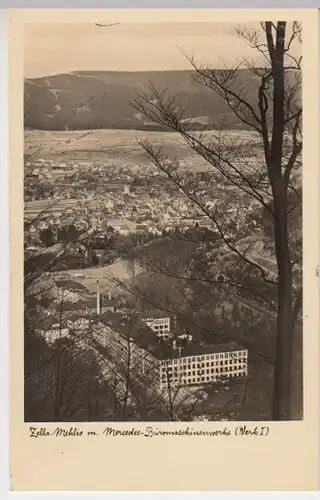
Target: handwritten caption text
[(148, 432)]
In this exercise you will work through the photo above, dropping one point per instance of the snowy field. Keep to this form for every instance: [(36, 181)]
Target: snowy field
[(113, 146)]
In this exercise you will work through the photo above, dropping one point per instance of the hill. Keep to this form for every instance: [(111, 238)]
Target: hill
[(101, 99)]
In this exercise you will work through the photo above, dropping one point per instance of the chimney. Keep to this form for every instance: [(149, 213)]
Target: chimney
[(109, 295), (179, 352), (98, 298), (174, 345)]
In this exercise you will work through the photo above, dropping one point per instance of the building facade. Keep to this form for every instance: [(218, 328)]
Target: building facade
[(205, 364), (141, 363), (203, 368), (161, 326)]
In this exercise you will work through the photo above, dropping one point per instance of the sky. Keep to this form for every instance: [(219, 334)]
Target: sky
[(130, 46)]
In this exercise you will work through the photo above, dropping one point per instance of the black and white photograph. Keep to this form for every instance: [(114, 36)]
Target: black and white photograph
[(163, 221)]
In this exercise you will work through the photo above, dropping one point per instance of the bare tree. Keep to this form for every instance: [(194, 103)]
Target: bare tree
[(174, 399), (272, 181)]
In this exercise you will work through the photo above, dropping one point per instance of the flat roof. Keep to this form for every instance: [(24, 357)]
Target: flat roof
[(144, 337), (196, 349), (155, 315), (131, 327)]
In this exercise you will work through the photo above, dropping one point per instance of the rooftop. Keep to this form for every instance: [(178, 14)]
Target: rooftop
[(131, 327), (147, 339), (195, 349), (155, 314)]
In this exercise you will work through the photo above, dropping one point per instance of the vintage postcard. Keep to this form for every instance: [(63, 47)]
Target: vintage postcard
[(163, 242)]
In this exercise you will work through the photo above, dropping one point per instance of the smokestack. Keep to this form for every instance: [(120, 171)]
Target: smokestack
[(179, 352), (98, 298), (174, 344), (109, 295)]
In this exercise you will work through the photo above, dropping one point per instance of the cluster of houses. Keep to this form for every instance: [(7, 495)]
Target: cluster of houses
[(133, 208)]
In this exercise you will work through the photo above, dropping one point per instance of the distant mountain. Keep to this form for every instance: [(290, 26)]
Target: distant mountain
[(101, 99)]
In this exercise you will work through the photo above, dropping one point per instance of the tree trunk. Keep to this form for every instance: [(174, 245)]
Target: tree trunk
[(284, 348), (57, 395), (90, 409), (284, 340), (56, 406)]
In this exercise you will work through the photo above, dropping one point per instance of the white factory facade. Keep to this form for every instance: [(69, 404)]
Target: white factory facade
[(217, 364), (203, 368), (161, 326), (168, 364)]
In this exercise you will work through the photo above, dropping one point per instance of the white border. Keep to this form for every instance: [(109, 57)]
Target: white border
[(4, 260)]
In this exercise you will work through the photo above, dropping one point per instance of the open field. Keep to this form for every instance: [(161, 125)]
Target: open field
[(112, 146), (108, 276), (49, 206)]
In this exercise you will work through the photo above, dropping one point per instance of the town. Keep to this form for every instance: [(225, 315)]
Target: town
[(69, 202), (135, 200)]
